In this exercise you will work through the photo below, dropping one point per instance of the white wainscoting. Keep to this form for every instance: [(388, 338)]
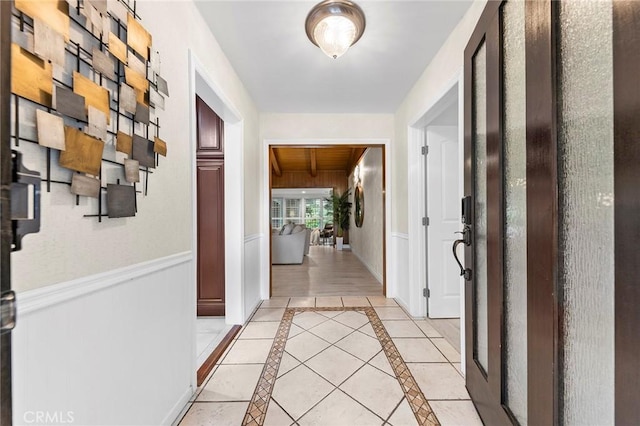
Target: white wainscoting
[(399, 267), (112, 348), (252, 276)]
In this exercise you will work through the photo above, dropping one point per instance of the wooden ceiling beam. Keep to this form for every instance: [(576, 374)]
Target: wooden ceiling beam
[(314, 164), (274, 162)]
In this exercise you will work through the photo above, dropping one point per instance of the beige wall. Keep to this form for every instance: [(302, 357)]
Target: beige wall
[(355, 128), (70, 246), (433, 82), (367, 241), (326, 126)]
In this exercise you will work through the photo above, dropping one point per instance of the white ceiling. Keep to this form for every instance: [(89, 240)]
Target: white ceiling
[(284, 72)]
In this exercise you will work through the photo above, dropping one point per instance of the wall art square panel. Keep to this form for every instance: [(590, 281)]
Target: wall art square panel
[(97, 124), (154, 61), (70, 104), (121, 201), (83, 153), (50, 130), (155, 99), (138, 65), (143, 151), (85, 185), (48, 44), (118, 11), (142, 114), (106, 25), (100, 5), (103, 63), (132, 170), (162, 86), (22, 39), (31, 77), (127, 98), (137, 37), (160, 147), (94, 95), (136, 80), (124, 143), (141, 97), (118, 48), (54, 12), (94, 19)]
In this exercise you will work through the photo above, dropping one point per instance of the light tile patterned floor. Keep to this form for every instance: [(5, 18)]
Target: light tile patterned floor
[(209, 332), (327, 363)]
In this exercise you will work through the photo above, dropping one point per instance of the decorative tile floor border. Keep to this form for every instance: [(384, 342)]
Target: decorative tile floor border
[(257, 409)]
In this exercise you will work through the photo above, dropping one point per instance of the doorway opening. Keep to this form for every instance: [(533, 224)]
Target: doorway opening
[(217, 221), (310, 189), (435, 190)]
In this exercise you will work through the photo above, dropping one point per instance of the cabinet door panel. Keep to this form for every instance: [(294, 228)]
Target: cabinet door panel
[(210, 131), (211, 274)]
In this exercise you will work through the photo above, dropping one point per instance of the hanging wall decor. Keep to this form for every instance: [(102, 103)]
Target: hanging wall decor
[(86, 83)]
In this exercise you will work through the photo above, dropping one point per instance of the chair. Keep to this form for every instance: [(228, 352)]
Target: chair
[(327, 234)]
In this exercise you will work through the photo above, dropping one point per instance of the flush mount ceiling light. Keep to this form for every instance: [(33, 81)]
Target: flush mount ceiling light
[(335, 25)]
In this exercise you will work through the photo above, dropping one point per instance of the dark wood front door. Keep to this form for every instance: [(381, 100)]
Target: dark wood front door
[(552, 147), (210, 205), (483, 182)]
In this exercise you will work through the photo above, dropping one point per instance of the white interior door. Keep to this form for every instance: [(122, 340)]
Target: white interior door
[(443, 211)]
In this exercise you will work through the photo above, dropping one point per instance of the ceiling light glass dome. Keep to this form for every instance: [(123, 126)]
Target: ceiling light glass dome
[(334, 26)]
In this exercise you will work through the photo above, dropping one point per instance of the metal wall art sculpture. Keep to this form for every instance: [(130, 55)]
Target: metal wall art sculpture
[(86, 77)]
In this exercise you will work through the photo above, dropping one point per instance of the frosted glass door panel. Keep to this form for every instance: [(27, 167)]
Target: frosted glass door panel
[(515, 199), (481, 336), (585, 144)]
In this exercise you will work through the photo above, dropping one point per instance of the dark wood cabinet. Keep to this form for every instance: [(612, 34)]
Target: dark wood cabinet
[(210, 182), (210, 212), (210, 131)]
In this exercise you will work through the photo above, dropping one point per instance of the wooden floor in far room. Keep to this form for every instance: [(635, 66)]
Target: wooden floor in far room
[(325, 272)]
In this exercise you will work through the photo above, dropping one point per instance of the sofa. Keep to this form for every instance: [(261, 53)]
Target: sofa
[(290, 244)]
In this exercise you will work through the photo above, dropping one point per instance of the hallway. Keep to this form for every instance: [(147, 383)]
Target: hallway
[(336, 361), (325, 272)]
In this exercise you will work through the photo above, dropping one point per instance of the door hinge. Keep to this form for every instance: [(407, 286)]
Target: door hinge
[(8, 311), (426, 292), (425, 150), (425, 221)]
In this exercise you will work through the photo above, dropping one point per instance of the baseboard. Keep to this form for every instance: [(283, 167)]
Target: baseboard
[(397, 262), (211, 360), (404, 306), (400, 235), (35, 300), (376, 275), (177, 409), (249, 238)]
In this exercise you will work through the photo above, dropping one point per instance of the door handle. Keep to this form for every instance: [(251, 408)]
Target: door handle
[(466, 240), (7, 311), (25, 201)]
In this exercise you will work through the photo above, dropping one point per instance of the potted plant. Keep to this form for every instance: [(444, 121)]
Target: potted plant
[(341, 215)]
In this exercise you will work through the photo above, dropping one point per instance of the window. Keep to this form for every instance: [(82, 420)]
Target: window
[(327, 212), (276, 213), (312, 212), (293, 210)]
